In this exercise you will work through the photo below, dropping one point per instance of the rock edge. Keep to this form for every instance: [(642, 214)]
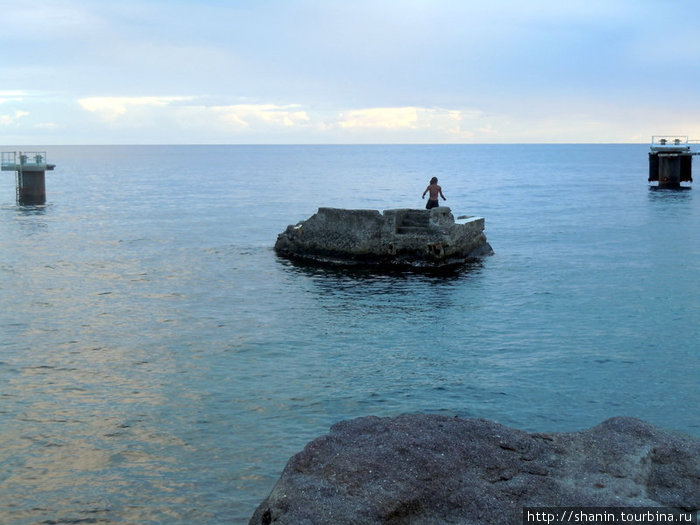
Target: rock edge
[(431, 469)]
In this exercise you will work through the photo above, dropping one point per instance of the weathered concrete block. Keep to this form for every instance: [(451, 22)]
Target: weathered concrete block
[(395, 238)]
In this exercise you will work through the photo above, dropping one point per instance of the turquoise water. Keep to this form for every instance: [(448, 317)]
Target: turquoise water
[(160, 364)]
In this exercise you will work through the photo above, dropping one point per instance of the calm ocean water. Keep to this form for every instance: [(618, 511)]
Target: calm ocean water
[(159, 364)]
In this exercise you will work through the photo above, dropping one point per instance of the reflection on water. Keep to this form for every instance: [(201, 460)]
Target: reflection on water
[(359, 274), (30, 220), (353, 293), (84, 417), (674, 193)]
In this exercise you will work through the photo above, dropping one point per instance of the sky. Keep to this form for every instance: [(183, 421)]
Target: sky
[(348, 71)]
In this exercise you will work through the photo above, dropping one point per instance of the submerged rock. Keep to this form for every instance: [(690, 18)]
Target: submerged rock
[(431, 469), (395, 238)]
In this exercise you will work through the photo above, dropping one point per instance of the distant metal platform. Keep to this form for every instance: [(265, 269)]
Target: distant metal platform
[(25, 161), (30, 168), (671, 160)]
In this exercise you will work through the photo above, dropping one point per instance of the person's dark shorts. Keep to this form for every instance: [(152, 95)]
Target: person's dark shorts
[(431, 204)]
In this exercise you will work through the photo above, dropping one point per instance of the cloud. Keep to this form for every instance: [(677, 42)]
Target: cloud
[(445, 124), (11, 96), (247, 115), (181, 113), (111, 108), (186, 116), (382, 118), (7, 120), (187, 119), (189, 116), (47, 126)]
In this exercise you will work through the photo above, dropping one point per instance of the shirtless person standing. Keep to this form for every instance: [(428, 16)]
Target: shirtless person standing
[(434, 190)]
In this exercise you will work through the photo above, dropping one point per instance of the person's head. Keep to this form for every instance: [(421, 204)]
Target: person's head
[(433, 180)]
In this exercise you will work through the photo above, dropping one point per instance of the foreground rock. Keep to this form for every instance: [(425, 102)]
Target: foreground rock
[(427, 469), (396, 238)]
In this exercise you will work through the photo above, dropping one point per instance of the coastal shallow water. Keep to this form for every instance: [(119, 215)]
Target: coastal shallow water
[(160, 364)]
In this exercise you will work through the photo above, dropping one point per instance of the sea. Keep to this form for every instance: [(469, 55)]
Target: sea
[(159, 364)]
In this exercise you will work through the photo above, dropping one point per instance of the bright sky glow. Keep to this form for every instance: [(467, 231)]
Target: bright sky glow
[(347, 71)]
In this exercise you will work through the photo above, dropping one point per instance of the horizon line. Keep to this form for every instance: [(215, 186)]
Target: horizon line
[(327, 144)]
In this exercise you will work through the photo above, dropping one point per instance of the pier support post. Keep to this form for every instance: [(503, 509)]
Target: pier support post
[(31, 187), (669, 171)]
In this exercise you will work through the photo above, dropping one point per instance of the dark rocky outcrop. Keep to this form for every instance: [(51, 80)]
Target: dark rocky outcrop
[(402, 238), (429, 469)]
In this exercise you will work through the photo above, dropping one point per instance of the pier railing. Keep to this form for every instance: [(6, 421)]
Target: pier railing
[(669, 140), (13, 160), (9, 158), (675, 144)]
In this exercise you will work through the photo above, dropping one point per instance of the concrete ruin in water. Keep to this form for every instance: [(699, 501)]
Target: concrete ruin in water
[(401, 238)]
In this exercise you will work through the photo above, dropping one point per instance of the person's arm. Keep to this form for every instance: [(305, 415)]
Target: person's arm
[(426, 191), (441, 195)]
